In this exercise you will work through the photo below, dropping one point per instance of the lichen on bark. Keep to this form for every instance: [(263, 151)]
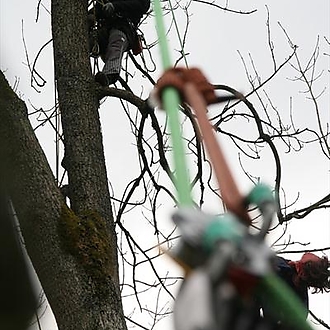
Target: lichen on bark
[(86, 238)]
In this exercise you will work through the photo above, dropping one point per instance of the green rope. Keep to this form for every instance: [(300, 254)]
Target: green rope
[(171, 101), (282, 298), (271, 285)]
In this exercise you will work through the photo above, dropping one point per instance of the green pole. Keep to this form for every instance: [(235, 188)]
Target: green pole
[(171, 101)]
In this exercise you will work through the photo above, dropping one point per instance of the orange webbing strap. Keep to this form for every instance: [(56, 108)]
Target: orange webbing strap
[(231, 196), (178, 77), (194, 89)]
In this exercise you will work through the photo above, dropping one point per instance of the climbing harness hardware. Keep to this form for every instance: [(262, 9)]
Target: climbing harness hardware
[(227, 268)]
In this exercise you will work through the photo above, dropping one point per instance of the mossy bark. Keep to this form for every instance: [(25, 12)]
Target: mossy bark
[(86, 237), (78, 101), (74, 252)]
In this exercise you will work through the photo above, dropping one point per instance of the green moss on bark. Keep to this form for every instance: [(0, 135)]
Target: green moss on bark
[(86, 237)]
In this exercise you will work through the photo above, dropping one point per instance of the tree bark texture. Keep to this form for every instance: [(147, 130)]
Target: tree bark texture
[(84, 154), (74, 251)]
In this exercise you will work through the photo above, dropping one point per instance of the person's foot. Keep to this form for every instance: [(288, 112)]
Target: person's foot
[(112, 78), (102, 79), (106, 79)]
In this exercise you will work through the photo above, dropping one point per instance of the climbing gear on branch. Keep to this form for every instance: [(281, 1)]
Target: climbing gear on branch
[(178, 77), (109, 9), (228, 269)]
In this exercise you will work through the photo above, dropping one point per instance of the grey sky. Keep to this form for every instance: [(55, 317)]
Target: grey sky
[(213, 42)]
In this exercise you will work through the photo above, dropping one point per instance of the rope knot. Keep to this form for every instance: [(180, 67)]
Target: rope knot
[(178, 77)]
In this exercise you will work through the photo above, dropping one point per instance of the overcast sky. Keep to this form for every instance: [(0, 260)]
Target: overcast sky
[(213, 42)]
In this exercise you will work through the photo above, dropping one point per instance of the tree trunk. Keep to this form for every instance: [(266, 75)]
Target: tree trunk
[(74, 251)]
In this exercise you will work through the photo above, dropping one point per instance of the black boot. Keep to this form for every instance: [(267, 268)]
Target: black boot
[(112, 78), (106, 79)]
